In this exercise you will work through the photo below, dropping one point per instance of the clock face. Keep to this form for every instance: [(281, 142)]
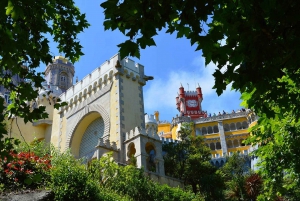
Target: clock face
[(192, 103)]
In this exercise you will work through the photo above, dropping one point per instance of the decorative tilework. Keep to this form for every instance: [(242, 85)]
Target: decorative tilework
[(90, 137)]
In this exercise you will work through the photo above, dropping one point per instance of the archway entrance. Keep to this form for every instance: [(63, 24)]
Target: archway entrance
[(86, 134)]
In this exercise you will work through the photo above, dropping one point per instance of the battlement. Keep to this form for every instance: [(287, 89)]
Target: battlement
[(190, 93), (105, 143), (104, 74), (141, 131), (150, 118), (168, 140)]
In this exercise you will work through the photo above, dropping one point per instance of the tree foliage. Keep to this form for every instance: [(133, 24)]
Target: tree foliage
[(25, 27), (189, 160), (255, 45)]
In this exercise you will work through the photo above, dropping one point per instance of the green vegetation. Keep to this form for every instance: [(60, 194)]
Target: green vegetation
[(189, 161), (25, 27), (70, 179), (255, 46)]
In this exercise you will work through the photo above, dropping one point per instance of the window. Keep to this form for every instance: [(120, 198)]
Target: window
[(216, 129), (63, 78), (6, 97), (235, 143), (238, 126), (226, 127), (212, 146), (229, 144), (241, 142), (209, 130), (218, 145), (244, 125), (232, 127), (204, 131)]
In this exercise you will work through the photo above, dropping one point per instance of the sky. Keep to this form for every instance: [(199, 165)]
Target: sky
[(172, 62)]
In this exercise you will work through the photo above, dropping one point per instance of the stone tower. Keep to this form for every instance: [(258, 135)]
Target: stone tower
[(60, 73)]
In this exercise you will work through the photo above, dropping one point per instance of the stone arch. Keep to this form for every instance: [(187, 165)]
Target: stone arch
[(238, 126), (244, 125), (76, 99), (226, 127), (232, 127), (218, 145), (216, 129), (236, 143), (151, 152), (212, 146), (204, 131), (90, 89), (222, 163), (80, 96), (105, 79), (100, 82), (209, 130), (90, 137), (95, 85), (229, 144), (85, 116), (131, 150), (111, 74)]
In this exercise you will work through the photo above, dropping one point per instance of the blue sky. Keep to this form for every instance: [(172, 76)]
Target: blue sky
[(171, 62)]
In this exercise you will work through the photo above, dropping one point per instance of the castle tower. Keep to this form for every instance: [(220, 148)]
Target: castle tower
[(60, 73), (188, 103)]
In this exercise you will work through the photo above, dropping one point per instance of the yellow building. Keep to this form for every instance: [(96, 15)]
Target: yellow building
[(223, 133)]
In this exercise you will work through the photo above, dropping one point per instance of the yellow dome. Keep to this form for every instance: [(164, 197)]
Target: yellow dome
[(61, 58)]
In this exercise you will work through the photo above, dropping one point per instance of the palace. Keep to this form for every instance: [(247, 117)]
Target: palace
[(105, 113), (223, 133)]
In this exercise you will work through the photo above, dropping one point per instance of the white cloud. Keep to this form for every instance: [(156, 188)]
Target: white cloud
[(160, 93)]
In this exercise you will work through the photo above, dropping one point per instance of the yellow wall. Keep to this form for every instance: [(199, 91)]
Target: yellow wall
[(165, 127)]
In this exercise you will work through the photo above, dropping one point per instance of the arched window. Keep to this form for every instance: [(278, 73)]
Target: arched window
[(218, 145), (212, 146), (217, 164), (204, 131), (235, 143), (209, 130), (244, 125), (232, 127), (150, 150), (198, 132), (226, 127), (241, 142), (216, 129), (207, 145), (222, 163), (239, 126), (229, 144)]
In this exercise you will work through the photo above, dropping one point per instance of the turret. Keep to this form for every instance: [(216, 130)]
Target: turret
[(60, 73), (188, 103)]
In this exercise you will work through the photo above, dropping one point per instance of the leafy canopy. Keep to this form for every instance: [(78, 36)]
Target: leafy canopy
[(255, 45), (25, 27)]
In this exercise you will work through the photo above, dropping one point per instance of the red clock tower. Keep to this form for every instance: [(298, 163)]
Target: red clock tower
[(189, 103)]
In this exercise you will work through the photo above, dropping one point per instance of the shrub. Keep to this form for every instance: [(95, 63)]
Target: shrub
[(132, 182), (69, 179), (25, 170)]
